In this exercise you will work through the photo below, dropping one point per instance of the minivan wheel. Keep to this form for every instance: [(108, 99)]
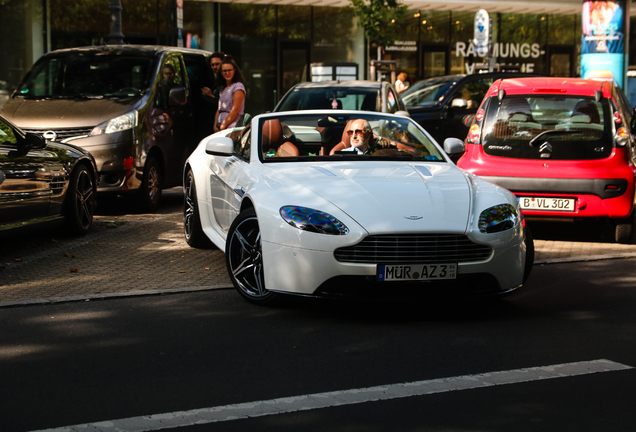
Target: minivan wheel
[(624, 232), (151, 186)]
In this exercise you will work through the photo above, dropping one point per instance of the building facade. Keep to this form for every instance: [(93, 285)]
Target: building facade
[(275, 43)]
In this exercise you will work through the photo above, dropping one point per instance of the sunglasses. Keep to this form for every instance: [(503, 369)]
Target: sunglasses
[(357, 132), (227, 71)]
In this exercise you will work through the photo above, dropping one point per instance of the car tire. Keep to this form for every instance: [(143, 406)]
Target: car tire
[(624, 231), (151, 185), (244, 259), (529, 241), (194, 235), (80, 201)]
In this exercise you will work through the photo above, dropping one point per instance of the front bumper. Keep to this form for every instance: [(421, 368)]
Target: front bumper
[(318, 273)]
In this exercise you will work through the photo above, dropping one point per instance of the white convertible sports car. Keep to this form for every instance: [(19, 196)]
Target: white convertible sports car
[(349, 203)]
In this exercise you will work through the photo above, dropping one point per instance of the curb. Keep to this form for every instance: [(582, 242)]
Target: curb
[(109, 296)]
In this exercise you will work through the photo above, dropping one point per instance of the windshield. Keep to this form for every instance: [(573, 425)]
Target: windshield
[(548, 127), (88, 75), (428, 92), (344, 136), (347, 98)]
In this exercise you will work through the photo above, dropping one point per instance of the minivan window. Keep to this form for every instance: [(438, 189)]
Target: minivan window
[(88, 76), (548, 127)]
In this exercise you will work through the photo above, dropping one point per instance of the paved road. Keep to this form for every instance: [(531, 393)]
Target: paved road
[(556, 356), (132, 253)]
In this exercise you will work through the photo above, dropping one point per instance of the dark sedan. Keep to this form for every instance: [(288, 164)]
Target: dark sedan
[(440, 103), (43, 181)]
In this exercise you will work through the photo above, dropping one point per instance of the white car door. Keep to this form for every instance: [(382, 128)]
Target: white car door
[(229, 177)]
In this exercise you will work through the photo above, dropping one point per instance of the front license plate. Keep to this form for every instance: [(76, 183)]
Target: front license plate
[(416, 272), (548, 204)]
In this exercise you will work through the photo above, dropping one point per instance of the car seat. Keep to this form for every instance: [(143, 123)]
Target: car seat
[(273, 140), (515, 121)]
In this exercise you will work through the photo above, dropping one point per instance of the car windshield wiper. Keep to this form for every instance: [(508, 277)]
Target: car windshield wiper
[(535, 141)]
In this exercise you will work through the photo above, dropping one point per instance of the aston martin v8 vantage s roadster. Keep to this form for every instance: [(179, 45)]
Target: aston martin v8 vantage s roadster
[(335, 203)]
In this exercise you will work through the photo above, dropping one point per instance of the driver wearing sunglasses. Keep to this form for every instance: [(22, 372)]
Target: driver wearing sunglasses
[(360, 135), (362, 140)]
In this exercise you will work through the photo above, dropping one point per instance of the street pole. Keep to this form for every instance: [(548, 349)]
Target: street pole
[(115, 37)]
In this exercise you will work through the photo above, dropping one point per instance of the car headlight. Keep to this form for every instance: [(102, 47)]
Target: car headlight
[(311, 220), (118, 124), (498, 218)]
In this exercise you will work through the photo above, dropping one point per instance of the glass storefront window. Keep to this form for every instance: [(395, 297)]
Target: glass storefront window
[(563, 29), (294, 22), (404, 50), (21, 42), (88, 23), (434, 26), (462, 57), (332, 34), (248, 34)]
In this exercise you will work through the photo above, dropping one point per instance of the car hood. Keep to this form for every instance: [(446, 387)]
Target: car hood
[(63, 113), (390, 197)]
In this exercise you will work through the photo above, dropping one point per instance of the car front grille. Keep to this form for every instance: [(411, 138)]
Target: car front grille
[(413, 248), (63, 134), (57, 185)]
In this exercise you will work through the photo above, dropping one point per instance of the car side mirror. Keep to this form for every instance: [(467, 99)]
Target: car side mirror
[(453, 146), (459, 103), (468, 119), (177, 96), (219, 146), (403, 113), (34, 141)]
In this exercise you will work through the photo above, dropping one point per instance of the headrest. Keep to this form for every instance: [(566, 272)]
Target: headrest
[(580, 118), (272, 134), (345, 138)]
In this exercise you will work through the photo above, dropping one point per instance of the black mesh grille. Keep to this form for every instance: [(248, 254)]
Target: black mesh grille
[(57, 185), (63, 133), (413, 248)]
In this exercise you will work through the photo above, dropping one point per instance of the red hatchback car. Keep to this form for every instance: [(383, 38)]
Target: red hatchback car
[(564, 146)]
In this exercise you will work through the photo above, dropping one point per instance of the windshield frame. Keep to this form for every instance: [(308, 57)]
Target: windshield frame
[(316, 133)]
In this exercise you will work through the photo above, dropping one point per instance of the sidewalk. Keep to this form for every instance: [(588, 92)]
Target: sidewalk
[(130, 255), (147, 254)]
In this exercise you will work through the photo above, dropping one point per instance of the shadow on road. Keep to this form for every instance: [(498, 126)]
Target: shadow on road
[(581, 231), (171, 201)]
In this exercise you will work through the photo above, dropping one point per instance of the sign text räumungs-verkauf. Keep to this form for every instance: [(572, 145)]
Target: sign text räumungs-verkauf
[(502, 51)]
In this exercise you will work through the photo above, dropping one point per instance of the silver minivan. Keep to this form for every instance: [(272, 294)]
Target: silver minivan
[(137, 109)]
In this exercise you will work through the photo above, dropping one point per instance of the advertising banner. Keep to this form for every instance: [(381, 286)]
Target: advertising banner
[(603, 44)]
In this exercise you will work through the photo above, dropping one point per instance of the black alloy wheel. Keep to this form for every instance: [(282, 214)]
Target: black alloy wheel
[(151, 185), (194, 235), (244, 259), (80, 201)]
